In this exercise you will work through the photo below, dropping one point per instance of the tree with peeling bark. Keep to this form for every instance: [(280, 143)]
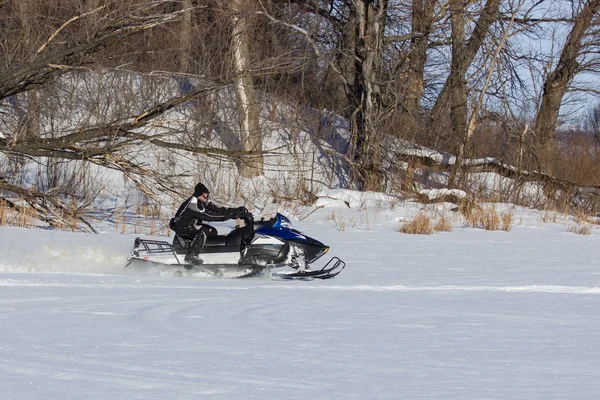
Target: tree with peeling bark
[(248, 106)]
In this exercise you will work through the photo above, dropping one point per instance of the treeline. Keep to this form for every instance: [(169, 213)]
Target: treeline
[(483, 78)]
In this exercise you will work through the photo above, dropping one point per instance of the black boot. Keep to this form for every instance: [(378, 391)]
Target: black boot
[(195, 248), (193, 259)]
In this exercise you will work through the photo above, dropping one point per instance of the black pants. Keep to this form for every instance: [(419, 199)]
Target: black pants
[(197, 234)]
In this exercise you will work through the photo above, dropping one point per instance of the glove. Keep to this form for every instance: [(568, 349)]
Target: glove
[(231, 213), (241, 212)]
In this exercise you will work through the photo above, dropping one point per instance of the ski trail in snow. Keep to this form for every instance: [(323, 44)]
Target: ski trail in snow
[(457, 288), (107, 283), (478, 288)]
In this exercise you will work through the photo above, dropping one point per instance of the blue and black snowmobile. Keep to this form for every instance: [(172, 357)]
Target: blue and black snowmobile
[(247, 251)]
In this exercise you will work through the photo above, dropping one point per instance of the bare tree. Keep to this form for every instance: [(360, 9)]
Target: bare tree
[(487, 16), (476, 108), (558, 81), (370, 18), (355, 66)]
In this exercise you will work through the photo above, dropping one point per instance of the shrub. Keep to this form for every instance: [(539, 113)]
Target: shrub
[(420, 225)]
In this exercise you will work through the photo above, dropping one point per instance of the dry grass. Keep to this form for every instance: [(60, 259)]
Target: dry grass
[(143, 218), (3, 212), (123, 223), (578, 161), (24, 217), (338, 219), (419, 225), (581, 224), (443, 224), (550, 217), (579, 229), (506, 222), (488, 218), (581, 217), (363, 219)]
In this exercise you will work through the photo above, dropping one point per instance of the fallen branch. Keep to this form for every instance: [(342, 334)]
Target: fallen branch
[(577, 195)]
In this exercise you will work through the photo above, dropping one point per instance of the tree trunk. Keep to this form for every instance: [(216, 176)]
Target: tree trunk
[(472, 125), (30, 127), (422, 18), (250, 133), (488, 15), (185, 40), (558, 81), (365, 120), (343, 101), (25, 11), (32, 120), (458, 81)]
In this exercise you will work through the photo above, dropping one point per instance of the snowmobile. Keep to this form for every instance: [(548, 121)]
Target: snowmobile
[(246, 251)]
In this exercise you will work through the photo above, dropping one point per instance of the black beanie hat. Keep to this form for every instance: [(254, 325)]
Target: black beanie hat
[(200, 189)]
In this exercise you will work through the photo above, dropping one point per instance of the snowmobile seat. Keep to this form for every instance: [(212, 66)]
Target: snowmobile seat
[(219, 244), (216, 241), (233, 239)]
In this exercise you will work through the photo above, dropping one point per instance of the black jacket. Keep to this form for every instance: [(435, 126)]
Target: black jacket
[(193, 211)]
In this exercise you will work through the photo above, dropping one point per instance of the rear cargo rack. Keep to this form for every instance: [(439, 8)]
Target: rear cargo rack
[(142, 247)]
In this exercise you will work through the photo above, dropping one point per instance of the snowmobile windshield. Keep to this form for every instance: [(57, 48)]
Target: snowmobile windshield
[(282, 222)]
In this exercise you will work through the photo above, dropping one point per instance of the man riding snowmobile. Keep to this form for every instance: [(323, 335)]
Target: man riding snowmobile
[(188, 221)]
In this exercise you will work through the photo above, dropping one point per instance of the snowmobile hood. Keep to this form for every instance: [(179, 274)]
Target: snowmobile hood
[(282, 228)]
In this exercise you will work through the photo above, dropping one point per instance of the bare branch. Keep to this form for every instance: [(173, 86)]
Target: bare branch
[(75, 18)]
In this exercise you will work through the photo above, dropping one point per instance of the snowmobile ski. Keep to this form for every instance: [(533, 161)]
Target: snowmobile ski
[(330, 270)]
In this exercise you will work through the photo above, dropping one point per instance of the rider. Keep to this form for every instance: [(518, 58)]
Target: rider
[(188, 221)]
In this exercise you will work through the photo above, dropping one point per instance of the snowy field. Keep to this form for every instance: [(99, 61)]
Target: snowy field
[(468, 314)]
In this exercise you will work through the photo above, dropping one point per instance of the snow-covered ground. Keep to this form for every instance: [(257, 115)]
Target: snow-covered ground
[(468, 314)]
